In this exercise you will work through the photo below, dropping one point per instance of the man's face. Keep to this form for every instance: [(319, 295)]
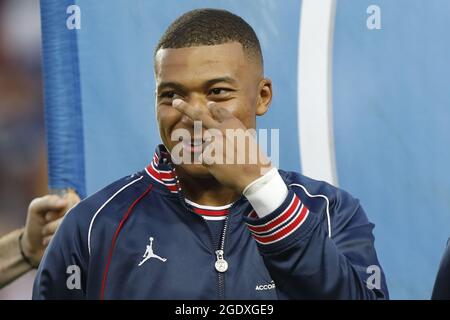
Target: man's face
[(219, 73)]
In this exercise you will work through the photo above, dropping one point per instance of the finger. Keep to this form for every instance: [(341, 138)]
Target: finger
[(72, 199), (195, 113), (53, 215), (46, 240), (219, 113), (47, 203), (51, 227)]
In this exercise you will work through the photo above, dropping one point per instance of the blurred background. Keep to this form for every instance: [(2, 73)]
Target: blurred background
[(23, 168)]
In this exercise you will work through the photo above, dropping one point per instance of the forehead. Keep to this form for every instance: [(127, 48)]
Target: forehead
[(202, 62)]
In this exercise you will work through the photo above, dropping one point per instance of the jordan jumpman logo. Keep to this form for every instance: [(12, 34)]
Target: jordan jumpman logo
[(149, 254)]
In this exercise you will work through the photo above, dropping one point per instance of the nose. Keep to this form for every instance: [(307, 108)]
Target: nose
[(196, 102)]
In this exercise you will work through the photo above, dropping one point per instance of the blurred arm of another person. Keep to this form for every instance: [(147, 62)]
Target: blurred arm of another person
[(22, 250)]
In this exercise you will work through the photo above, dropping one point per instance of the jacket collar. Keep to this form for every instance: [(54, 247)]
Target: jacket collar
[(162, 171)]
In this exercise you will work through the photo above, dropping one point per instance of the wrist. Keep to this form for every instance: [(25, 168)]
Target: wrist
[(250, 177), (26, 250), (266, 193)]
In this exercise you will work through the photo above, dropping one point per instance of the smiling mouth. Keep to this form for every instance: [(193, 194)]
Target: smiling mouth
[(195, 145)]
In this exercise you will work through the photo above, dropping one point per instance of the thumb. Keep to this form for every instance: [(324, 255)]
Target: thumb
[(219, 113)]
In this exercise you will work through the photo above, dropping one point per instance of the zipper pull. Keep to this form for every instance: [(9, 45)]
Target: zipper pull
[(221, 265)]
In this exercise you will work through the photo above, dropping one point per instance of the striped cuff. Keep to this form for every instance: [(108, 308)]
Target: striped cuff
[(278, 229)]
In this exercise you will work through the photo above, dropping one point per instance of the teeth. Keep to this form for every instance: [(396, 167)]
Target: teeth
[(195, 142)]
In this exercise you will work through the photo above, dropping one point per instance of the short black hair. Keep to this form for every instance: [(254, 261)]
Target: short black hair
[(207, 26)]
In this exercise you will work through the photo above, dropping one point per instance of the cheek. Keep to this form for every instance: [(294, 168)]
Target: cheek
[(167, 117), (244, 110)]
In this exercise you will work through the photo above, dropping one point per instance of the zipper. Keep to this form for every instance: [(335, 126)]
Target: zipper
[(221, 265)]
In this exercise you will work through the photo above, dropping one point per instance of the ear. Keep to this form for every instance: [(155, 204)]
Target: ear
[(264, 96)]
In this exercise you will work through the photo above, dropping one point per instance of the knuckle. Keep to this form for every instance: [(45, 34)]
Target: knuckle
[(54, 226), (197, 113), (215, 108), (46, 240), (34, 203)]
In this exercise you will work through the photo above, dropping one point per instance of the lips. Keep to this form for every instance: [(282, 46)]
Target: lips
[(193, 146)]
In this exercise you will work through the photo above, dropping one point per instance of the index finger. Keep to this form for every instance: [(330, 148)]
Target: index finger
[(195, 113), (47, 203)]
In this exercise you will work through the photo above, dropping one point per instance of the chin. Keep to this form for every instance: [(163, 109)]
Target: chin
[(196, 171)]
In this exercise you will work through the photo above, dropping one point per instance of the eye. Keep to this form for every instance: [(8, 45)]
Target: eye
[(218, 91), (168, 94)]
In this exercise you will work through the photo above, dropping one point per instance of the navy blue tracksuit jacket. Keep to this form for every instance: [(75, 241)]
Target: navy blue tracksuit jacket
[(138, 238), (441, 289)]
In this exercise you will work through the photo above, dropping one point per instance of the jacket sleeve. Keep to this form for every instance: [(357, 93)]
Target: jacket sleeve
[(304, 262), (61, 273)]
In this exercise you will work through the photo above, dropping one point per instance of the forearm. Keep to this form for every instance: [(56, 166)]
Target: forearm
[(12, 264), (315, 268), (301, 258), (305, 263)]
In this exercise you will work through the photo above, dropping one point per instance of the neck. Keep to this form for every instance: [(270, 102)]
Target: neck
[(205, 190)]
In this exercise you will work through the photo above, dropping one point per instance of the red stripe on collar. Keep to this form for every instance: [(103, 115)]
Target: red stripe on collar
[(161, 176), (211, 213)]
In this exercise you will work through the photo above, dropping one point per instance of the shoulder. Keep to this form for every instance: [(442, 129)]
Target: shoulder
[(118, 191), (318, 189), (76, 228), (321, 197)]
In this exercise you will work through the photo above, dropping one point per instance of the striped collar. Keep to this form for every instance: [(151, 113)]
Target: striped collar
[(162, 171), (210, 212)]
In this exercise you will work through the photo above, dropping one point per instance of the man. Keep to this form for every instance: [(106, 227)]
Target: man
[(22, 250), (221, 229)]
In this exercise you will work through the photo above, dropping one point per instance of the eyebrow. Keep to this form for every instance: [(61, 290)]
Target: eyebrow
[(180, 87), (221, 79), (174, 85)]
